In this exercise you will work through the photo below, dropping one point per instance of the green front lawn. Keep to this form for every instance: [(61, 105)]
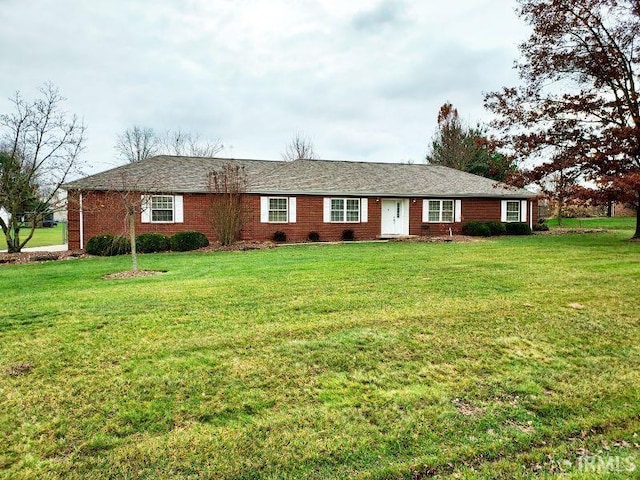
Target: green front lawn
[(615, 223), (41, 236), (504, 358)]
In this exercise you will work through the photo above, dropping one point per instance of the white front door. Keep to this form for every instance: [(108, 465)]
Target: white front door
[(395, 217)]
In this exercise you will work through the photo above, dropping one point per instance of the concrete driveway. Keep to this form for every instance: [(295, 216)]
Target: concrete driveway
[(47, 248)]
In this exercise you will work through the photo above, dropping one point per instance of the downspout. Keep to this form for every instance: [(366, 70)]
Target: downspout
[(530, 203), (81, 224)]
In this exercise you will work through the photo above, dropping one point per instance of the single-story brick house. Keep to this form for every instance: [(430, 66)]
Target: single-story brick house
[(375, 200)]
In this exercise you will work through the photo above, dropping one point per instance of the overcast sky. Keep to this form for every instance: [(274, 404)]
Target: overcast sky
[(363, 79)]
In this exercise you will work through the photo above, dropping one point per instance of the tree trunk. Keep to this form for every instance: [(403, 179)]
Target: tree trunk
[(610, 208), (132, 240), (560, 211), (637, 234), (13, 236)]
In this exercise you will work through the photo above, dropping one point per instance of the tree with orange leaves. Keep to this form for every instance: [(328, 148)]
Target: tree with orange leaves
[(579, 102)]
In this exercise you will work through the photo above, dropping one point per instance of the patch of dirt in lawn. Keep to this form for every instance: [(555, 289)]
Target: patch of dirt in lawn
[(19, 369), (467, 409), (132, 274)]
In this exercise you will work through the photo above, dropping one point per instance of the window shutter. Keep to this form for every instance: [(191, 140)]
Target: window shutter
[(326, 210), (503, 211), (264, 209), (145, 209), (523, 211), (425, 211), (292, 209), (458, 211), (364, 210), (178, 209)]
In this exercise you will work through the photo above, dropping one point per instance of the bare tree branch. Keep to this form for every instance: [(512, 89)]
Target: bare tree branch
[(181, 143), (137, 143), (300, 148)]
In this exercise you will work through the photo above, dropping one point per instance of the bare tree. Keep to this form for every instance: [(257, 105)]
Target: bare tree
[(125, 201), (227, 187), (41, 146), (181, 143), (300, 148), (133, 202), (137, 143)]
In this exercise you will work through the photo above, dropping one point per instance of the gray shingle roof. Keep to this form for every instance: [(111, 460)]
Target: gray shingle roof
[(170, 174)]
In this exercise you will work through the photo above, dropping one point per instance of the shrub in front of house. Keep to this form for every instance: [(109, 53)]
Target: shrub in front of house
[(496, 228), (108, 245), (152, 242), (187, 241), (541, 227), (279, 236), (518, 228), (476, 229), (348, 235), (313, 237)]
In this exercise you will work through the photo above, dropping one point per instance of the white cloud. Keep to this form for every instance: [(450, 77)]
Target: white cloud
[(364, 79)]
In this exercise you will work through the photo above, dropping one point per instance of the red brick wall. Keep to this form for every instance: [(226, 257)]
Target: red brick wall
[(104, 212), (309, 218)]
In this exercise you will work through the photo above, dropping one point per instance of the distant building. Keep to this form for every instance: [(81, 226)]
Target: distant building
[(622, 210), (4, 215)]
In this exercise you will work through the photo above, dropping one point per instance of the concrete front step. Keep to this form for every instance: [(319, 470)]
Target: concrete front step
[(396, 237)]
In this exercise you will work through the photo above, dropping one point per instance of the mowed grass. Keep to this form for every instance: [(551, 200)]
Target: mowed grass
[(41, 236), (505, 358), (614, 223)]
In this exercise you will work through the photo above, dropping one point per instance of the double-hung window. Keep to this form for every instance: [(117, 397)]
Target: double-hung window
[(278, 209), (440, 211), (162, 208), (513, 211), (345, 210)]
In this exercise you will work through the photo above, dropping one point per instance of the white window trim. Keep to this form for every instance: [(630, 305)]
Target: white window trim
[(523, 210), (455, 217), (265, 208), (177, 209), (363, 210)]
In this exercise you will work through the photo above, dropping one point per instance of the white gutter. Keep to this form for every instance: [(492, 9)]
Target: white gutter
[(81, 224)]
